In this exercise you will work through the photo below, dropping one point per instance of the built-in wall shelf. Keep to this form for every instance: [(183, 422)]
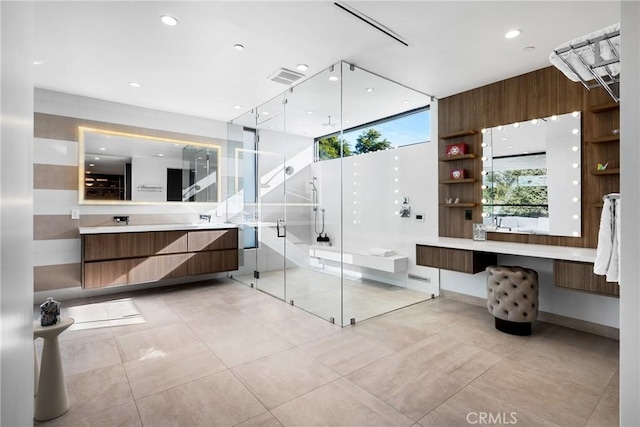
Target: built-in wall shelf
[(459, 205), (458, 157), (458, 181), (604, 107), (458, 134), (611, 171), (604, 139)]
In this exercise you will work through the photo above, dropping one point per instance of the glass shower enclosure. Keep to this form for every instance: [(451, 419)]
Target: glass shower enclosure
[(294, 190)]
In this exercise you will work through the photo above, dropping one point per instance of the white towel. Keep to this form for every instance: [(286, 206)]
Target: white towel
[(586, 53), (607, 261), (381, 252)]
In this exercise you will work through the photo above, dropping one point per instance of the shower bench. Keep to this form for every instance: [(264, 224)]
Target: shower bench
[(389, 264)]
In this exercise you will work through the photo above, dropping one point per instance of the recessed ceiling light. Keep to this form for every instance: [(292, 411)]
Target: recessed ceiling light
[(266, 113), (529, 48), (512, 34), (102, 149), (405, 102), (302, 67), (135, 84), (38, 62), (309, 112), (238, 47), (160, 155), (238, 107), (96, 158), (169, 20), (88, 171), (369, 90), (334, 78), (91, 164), (510, 146)]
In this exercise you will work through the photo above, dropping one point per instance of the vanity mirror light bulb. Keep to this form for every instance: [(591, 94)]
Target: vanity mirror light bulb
[(483, 201), (575, 148), (484, 187), (554, 118), (575, 131), (575, 165), (483, 172), (485, 215), (576, 114), (576, 216), (576, 234), (576, 199), (483, 145), (500, 127), (516, 125), (483, 130), (534, 121), (484, 159)]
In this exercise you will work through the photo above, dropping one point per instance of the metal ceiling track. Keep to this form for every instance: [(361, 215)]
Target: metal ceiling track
[(372, 22)]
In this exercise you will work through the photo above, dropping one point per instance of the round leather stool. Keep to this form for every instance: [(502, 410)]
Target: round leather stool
[(512, 298)]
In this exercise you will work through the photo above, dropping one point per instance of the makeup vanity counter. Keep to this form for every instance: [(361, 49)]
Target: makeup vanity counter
[(572, 267), (127, 254)]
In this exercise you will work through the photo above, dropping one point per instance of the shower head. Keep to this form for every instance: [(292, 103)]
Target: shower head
[(313, 185)]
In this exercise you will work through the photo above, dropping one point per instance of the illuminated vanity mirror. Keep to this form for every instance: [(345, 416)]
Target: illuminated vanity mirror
[(119, 168), (531, 176)]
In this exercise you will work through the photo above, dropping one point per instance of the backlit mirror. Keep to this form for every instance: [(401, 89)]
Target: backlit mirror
[(531, 176), (118, 167)]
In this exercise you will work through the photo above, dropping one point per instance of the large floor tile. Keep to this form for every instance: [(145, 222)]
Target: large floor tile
[(347, 351), (470, 406), (255, 343), (420, 377), (122, 415), (561, 401), (340, 403), (148, 343), (607, 413), (265, 419), (161, 370), (155, 313), (101, 391), (303, 329), (284, 376), (210, 329), (217, 400), (84, 356)]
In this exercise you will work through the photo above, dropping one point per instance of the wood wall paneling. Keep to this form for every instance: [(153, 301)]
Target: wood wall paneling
[(537, 94)]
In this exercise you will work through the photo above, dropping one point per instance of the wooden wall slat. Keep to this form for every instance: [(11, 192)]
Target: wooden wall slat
[(540, 93)]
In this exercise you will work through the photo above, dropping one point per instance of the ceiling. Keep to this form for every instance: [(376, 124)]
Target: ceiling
[(96, 48)]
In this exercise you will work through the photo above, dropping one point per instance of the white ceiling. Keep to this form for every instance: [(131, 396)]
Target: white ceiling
[(95, 48)]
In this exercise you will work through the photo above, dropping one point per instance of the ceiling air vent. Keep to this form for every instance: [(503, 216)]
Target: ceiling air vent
[(286, 77)]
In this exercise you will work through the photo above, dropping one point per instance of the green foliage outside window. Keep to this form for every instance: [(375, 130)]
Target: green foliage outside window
[(519, 189), (370, 141), (329, 148)]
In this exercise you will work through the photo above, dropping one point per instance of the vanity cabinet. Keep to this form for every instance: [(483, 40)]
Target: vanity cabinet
[(112, 259), (579, 276), (462, 260)]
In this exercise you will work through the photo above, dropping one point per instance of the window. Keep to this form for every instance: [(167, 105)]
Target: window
[(412, 127), (250, 185)]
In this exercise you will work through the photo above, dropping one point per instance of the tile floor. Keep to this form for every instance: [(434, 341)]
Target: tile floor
[(223, 354), (318, 292)]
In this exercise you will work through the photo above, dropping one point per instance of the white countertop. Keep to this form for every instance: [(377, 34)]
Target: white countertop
[(154, 227), (508, 248)]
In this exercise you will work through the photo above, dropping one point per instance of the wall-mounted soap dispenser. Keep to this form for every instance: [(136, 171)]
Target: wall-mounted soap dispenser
[(405, 208)]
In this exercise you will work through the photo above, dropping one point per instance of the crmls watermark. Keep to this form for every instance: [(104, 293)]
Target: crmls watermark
[(492, 418)]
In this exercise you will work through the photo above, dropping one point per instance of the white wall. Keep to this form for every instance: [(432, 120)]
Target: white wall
[(16, 210), (151, 171), (365, 193), (630, 239)]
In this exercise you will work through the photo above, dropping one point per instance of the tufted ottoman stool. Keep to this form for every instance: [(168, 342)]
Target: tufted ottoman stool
[(512, 298)]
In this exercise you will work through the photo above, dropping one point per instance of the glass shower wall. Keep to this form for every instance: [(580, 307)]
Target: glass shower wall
[(319, 200)]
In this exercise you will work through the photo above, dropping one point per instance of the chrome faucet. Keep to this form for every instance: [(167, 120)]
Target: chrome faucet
[(205, 216)]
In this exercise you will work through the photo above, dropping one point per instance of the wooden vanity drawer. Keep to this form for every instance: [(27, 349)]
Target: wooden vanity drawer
[(100, 274), (213, 261), (132, 245), (461, 260), (579, 276), (211, 240)]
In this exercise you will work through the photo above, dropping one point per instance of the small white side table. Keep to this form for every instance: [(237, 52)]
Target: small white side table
[(52, 399)]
